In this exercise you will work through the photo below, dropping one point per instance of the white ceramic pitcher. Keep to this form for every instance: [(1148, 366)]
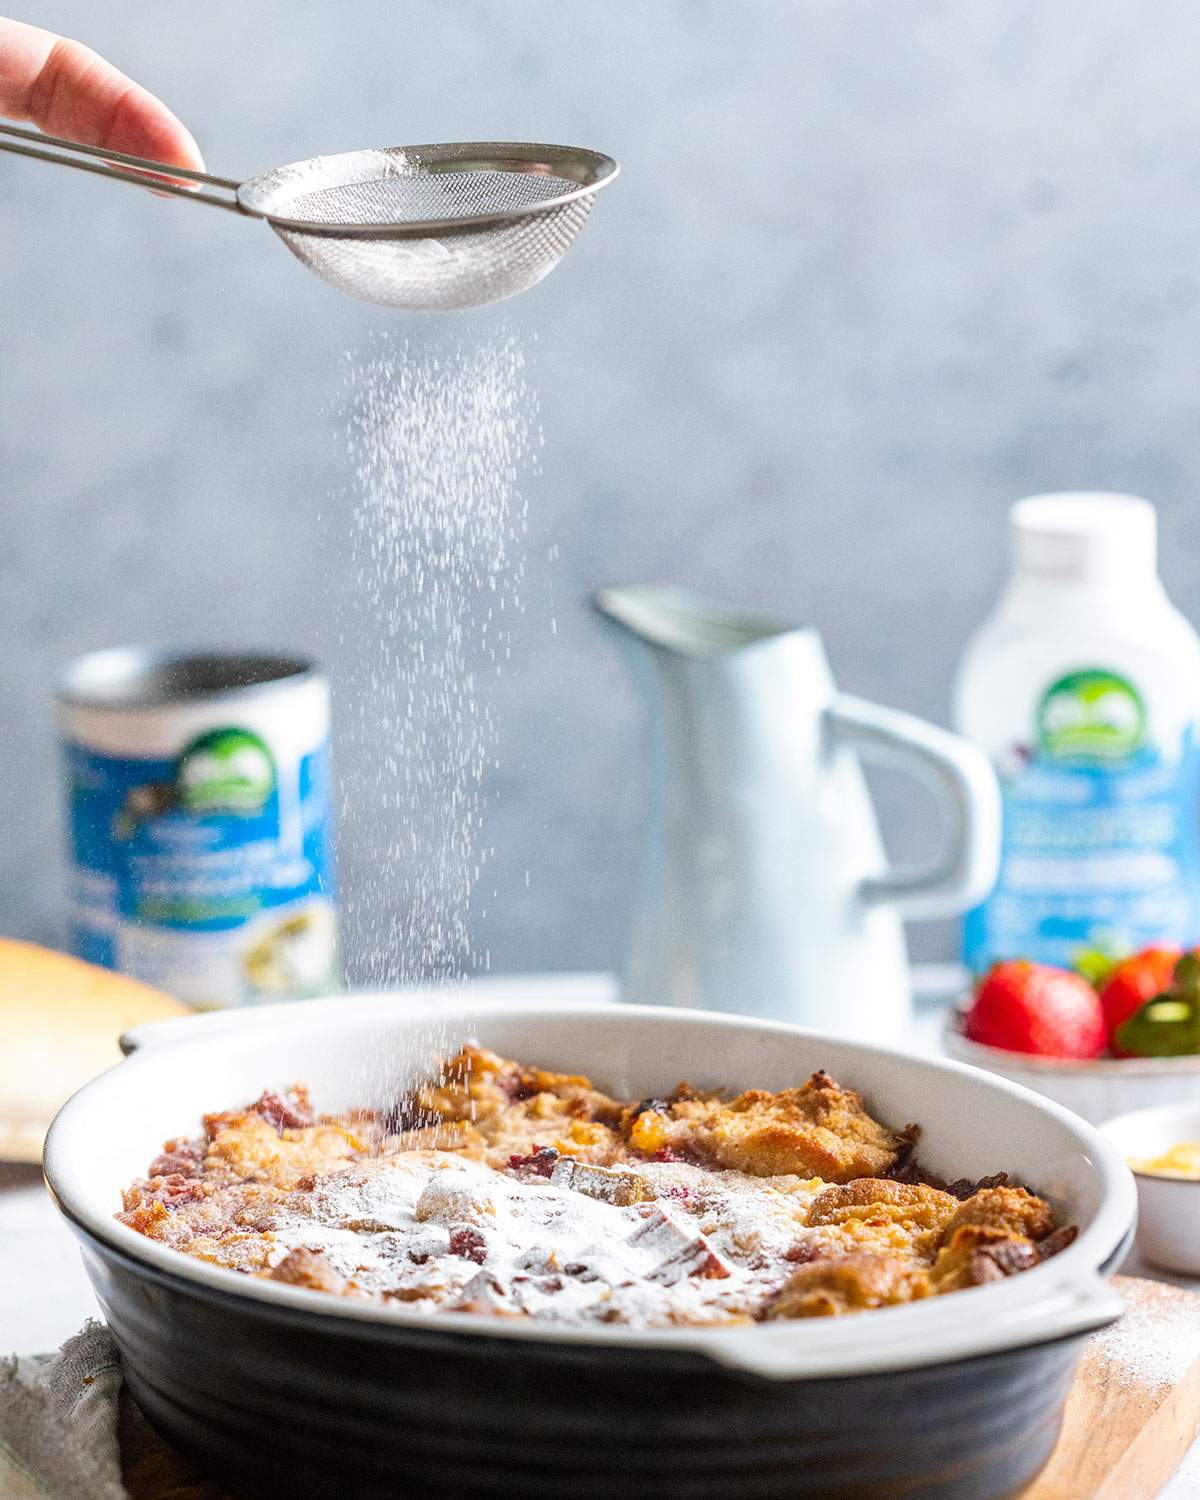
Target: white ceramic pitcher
[(766, 889)]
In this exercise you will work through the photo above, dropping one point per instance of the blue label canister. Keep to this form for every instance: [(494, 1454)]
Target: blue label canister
[(200, 822)]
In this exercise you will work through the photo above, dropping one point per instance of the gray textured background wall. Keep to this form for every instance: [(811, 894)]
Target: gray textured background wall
[(874, 268)]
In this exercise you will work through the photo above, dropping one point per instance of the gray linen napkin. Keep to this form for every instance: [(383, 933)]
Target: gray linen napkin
[(58, 1422)]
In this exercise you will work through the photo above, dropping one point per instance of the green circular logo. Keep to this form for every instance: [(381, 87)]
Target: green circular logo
[(1090, 715), (225, 770)]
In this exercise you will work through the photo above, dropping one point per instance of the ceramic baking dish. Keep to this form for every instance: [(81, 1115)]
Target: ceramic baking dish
[(284, 1392)]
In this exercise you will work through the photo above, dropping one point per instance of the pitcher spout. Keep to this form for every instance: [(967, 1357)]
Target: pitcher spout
[(683, 623)]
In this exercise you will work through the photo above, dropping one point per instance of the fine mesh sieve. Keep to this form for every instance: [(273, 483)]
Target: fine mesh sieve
[(435, 227)]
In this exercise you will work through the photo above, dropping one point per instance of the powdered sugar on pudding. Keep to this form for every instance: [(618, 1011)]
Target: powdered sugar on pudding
[(515, 1192), (435, 1230)]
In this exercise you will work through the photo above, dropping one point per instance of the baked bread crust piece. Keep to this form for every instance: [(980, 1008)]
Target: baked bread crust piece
[(60, 1020)]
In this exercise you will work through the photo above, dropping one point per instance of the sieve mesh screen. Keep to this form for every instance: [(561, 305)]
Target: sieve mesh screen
[(521, 197), (406, 197)]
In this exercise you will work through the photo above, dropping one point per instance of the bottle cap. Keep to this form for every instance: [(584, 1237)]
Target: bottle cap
[(1085, 537)]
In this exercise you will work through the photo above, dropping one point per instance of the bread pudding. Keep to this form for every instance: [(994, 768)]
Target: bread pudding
[(503, 1189)]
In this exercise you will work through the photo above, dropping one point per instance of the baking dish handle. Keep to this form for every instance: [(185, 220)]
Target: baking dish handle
[(791, 1351), (137, 1037), (176, 1029)]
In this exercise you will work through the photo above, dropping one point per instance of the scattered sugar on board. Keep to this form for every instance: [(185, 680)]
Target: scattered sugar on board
[(1154, 1344)]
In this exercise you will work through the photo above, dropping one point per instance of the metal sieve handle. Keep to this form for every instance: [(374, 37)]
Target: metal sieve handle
[(104, 168)]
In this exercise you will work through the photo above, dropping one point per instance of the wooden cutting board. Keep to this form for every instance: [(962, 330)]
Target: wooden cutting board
[(1133, 1412), (1134, 1409)]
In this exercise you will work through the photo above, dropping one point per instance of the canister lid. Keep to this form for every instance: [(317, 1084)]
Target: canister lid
[(128, 677), (1085, 536)]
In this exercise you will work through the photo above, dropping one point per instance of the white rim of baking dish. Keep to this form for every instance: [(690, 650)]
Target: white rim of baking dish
[(1064, 1297)]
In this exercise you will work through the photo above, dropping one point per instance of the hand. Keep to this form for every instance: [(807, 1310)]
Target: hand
[(67, 90)]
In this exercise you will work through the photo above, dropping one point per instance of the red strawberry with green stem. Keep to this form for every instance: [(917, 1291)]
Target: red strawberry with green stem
[(1134, 981), (1168, 1025)]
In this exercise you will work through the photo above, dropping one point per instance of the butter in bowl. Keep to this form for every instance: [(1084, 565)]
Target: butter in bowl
[(1162, 1146)]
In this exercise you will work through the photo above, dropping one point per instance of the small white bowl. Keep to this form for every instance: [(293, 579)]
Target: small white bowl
[(1097, 1090), (1168, 1233)]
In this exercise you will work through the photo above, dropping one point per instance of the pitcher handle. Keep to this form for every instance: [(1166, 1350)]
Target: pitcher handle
[(964, 784)]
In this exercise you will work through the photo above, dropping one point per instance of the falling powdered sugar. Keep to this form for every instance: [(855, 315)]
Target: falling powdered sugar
[(439, 439)]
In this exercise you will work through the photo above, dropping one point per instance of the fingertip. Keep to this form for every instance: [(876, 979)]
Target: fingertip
[(69, 90), (142, 125)]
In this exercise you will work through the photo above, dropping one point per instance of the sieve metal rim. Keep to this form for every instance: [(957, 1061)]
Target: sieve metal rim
[(592, 170)]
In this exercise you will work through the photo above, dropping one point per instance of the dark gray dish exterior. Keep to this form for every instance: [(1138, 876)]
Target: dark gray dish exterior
[(278, 1401)]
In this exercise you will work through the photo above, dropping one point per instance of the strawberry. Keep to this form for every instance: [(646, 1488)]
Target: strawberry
[(1134, 981), (1028, 1007)]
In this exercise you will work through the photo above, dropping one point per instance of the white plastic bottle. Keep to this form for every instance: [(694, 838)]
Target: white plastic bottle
[(1084, 688)]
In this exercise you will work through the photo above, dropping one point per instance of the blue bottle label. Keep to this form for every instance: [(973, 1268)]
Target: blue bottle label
[(1101, 846), (209, 874)]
